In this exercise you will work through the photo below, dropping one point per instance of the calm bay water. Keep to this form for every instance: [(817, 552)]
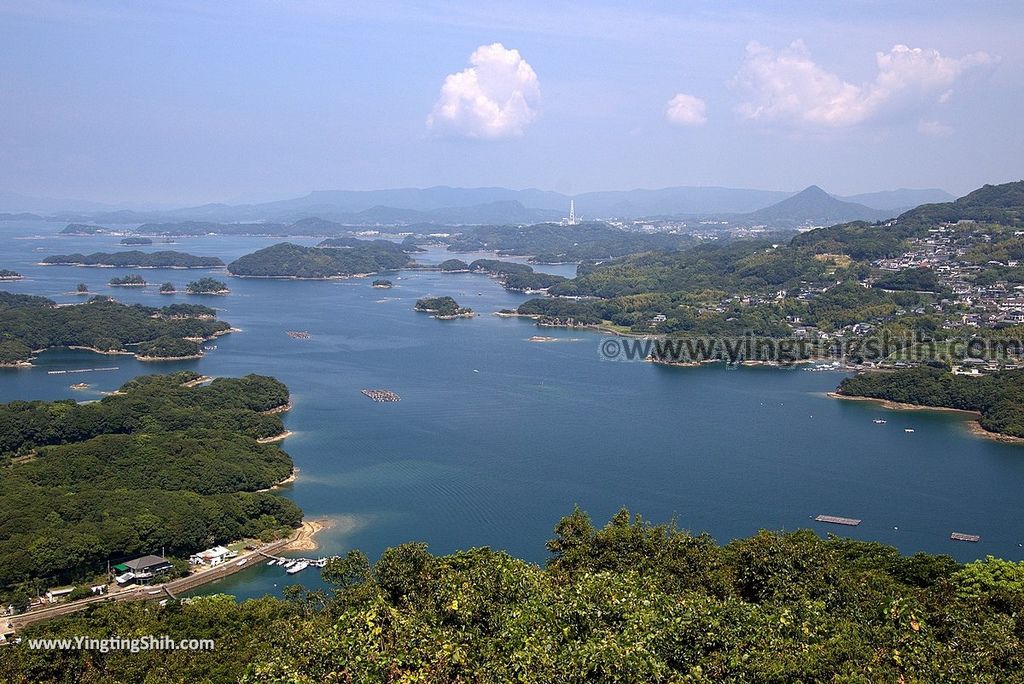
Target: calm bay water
[(497, 437)]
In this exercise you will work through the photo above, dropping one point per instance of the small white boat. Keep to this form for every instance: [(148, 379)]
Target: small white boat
[(289, 564), (298, 567), (879, 421), (908, 429), (271, 562), (242, 562)]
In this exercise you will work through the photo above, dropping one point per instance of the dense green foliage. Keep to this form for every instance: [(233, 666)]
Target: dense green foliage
[(168, 348), (441, 307), (136, 240), (168, 288), (136, 259), (550, 243), (29, 323), (381, 282), (207, 286), (158, 464), (289, 260), (7, 274), (632, 602), (917, 279), (999, 397)]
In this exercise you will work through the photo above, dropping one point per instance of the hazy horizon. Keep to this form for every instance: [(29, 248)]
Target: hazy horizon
[(184, 103)]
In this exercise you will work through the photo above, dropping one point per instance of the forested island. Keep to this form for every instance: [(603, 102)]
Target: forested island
[(383, 284), (158, 465), (207, 286), (998, 398), (30, 324), (454, 266), (550, 243), (131, 280), (444, 308), (7, 274), (513, 276), (83, 229), (168, 289), (288, 260), (135, 259), (630, 602), (136, 240)]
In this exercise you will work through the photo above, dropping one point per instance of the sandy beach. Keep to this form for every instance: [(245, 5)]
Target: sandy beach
[(900, 406)]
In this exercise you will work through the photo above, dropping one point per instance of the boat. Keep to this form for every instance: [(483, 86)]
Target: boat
[(908, 429), (242, 562), (271, 562), (289, 563), (298, 567), (879, 421)]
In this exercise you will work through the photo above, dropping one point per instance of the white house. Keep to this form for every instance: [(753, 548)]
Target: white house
[(211, 557)]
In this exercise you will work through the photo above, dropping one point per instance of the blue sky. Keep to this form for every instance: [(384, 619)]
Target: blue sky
[(189, 102)]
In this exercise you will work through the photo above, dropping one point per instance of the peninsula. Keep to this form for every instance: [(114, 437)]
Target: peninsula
[(180, 465), (32, 324)]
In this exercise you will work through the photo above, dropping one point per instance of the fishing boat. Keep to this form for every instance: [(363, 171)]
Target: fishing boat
[(908, 429), (879, 421)]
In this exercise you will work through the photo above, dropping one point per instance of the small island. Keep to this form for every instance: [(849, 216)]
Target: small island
[(133, 280), (136, 240), (81, 289), (168, 289), (6, 274), (83, 229), (454, 266), (382, 284), (207, 286), (134, 259), (443, 308)]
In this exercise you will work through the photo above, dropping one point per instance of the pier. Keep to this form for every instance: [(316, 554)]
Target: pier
[(295, 565), (838, 520), (381, 395), (82, 370), (960, 536)]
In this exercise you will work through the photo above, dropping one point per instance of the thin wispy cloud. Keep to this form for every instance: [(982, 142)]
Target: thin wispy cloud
[(788, 88), (495, 97)]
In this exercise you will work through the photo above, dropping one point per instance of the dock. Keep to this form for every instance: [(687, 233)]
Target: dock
[(838, 520), (82, 370), (960, 536), (381, 395)]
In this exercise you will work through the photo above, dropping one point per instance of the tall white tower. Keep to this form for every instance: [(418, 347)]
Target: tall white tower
[(572, 212)]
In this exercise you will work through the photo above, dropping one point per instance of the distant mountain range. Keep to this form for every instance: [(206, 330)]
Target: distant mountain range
[(454, 206)]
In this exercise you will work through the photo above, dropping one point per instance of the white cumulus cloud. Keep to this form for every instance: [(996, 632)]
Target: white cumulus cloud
[(787, 87), (686, 110), (495, 97)]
